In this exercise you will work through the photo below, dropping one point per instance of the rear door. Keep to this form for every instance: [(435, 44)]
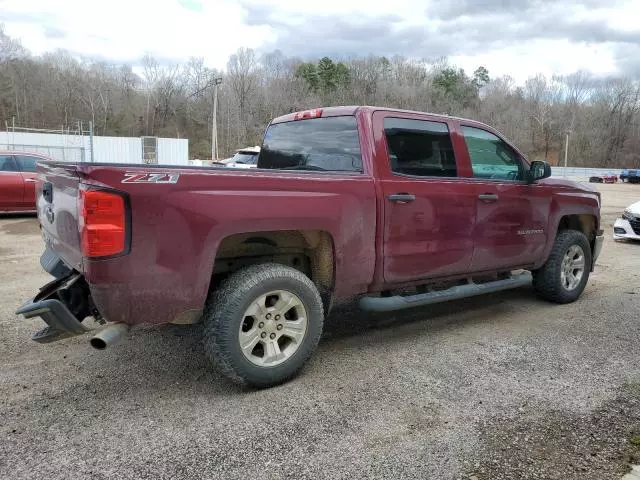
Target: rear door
[(511, 214), (27, 166), (11, 185), (428, 214)]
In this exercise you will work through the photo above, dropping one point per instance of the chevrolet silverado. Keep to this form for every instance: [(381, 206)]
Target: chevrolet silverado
[(394, 208)]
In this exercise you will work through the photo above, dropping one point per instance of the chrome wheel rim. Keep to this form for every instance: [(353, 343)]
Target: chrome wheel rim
[(273, 328), (572, 268)]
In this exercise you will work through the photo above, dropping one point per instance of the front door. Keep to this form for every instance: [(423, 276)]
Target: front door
[(511, 214), (428, 214), (11, 185)]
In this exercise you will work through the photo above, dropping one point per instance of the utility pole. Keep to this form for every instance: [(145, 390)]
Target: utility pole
[(91, 140), (214, 123), (566, 151)]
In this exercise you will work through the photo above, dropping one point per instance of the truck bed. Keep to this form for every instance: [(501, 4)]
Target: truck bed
[(180, 215)]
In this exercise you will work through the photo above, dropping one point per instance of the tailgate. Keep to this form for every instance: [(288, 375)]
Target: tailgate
[(57, 204)]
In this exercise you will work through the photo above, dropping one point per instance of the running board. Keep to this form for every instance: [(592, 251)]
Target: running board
[(387, 304)]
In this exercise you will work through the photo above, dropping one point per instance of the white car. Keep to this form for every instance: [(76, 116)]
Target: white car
[(628, 226), (244, 158)]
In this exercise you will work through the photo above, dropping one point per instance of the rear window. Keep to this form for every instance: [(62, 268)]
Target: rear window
[(7, 164), (323, 144)]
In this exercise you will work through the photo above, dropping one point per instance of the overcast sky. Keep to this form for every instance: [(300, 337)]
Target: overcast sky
[(514, 37)]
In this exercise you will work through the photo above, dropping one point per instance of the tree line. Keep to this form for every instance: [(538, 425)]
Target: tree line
[(57, 89)]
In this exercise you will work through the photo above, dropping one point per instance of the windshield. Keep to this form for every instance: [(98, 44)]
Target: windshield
[(330, 144)]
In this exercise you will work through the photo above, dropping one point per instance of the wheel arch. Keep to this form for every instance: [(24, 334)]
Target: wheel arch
[(310, 251), (583, 222)]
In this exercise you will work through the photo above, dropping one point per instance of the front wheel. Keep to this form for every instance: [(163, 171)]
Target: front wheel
[(565, 274), (263, 324)]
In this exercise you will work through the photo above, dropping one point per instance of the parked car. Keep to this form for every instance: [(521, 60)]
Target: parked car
[(628, 225), (605, 178), (630, 175), (352, 202), (243, 158), (17, 180)]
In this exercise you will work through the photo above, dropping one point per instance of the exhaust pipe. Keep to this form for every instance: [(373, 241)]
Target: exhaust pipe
[(108, 336)]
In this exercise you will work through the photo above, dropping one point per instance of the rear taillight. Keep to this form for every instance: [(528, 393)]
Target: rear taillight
[(102, 222)]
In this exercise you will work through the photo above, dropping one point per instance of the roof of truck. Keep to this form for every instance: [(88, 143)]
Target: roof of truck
[(322, 112), (352, 109)]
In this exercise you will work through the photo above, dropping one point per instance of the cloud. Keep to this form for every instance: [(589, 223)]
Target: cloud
[(125, 30), (53, 32), (340, 37), (479, 8), (559, 21), (513, 37), (194, 5), (518, 38), (628, 60)]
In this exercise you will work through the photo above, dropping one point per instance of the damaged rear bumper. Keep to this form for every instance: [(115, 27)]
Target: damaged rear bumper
[(51, 304)]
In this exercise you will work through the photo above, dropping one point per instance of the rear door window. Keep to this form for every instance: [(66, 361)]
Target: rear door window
[(328, 144), (419, 148), (7, 164)]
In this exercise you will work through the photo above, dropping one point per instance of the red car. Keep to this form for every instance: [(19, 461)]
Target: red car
[(606, 178), (17, 180), (396, 208)]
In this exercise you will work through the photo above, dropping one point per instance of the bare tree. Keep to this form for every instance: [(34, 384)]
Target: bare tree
[(242, 76), (56, 89)]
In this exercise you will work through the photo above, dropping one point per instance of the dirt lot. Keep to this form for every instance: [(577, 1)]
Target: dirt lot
[(502, 386)]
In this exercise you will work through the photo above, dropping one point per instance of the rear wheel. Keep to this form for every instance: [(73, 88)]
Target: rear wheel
[(263, 324), (564, 275)]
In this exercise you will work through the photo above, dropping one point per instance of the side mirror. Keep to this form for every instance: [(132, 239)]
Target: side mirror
[(539, 170)]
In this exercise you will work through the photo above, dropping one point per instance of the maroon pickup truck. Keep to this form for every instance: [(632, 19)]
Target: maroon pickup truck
[(395, 208)]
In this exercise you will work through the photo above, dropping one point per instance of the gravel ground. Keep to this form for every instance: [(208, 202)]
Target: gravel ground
[(497, 387)]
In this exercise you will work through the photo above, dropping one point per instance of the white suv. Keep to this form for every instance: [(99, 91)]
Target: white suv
[(243, 158)]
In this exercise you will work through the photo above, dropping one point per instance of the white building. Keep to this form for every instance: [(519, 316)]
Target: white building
[(97, 149)]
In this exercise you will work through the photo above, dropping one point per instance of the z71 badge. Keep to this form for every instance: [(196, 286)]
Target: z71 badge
[(131, 177)]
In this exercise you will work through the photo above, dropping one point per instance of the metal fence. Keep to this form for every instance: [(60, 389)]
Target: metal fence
[(581, 172)]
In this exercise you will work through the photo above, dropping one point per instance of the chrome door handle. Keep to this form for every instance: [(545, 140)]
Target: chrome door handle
[(30, 180), (401, 197), (488, 197)]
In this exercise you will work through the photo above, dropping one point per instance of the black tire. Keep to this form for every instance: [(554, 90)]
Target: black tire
[(224, 315), (547, 280)]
